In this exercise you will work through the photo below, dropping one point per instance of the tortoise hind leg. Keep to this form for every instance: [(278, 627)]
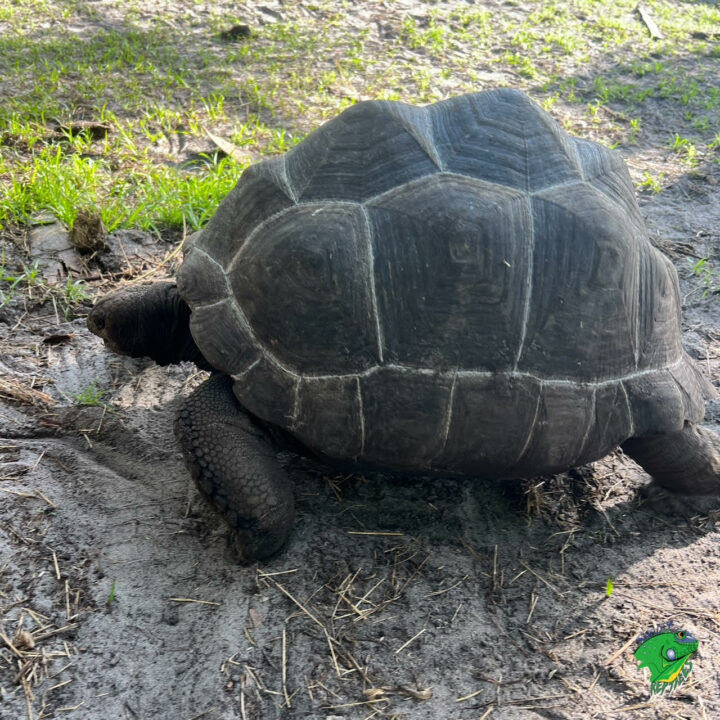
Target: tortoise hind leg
[(234, 463), (686, 462)]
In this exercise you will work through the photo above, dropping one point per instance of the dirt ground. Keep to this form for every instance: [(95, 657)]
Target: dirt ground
[(396, 597)]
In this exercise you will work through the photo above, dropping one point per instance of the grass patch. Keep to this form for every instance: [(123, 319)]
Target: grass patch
[(12, 282), (158, 83), (91, 396)]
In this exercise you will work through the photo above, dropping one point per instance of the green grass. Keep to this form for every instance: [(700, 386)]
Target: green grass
[(159, 85), (651, 183), (27, 283), (92, 396), (14, 281), (710, 276)]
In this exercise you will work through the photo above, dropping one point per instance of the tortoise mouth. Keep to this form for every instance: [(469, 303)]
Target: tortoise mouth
[(114, 347)]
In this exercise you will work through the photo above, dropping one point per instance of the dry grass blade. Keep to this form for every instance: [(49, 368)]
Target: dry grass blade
[(284, 667), (413, 638), (328, 637), (542, 579), (15, 390), (156, 268), (619, 652), (377, 693)]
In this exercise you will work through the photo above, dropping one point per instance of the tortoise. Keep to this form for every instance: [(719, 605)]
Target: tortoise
[(461, 288)]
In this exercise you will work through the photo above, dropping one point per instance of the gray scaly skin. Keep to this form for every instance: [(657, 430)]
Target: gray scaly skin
[(234, 463), (147, 321), (685, 462)]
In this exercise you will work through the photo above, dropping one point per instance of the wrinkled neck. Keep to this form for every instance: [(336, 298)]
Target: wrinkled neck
[(165, 330)]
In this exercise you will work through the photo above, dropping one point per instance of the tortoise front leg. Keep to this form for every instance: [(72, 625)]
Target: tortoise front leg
[(234, 463), (686, 462)]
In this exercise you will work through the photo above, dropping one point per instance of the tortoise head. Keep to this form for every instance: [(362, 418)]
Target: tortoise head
[(145, 321)]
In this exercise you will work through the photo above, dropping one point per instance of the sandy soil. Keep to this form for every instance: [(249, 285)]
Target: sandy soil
[(396, 597)]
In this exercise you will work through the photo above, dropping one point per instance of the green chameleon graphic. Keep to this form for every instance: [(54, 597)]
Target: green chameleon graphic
[(667, 653)]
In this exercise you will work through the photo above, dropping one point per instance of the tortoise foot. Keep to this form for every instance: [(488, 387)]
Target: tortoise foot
[(667, 504), (686, 462), (234, 464)]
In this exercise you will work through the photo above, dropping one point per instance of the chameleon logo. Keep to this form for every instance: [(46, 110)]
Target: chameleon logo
[(667, 653)]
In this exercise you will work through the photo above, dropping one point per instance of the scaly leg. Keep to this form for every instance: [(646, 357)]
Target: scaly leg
[(234, 463), (686, 462)]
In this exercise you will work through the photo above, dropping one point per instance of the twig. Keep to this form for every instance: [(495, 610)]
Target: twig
[(654, 30), (284, 667), (309, 614), (414, 637), (619, 652)]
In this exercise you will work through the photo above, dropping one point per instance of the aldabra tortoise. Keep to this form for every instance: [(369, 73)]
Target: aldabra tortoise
[(459, 288)]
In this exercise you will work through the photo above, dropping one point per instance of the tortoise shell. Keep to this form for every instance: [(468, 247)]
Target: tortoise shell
[(462, 287)]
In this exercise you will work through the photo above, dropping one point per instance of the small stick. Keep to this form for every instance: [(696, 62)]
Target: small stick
[(455, 614), (414, 637), (37, 462), (57, 567), (17, 493), (278, 572), (310, 615), (368, 532), (594, 682), (575, 634), (619, 652), (494, 574), (284, 667), (467, 697), (70, 709), (242, 697), (541, 578), (192, 600), (28, 699), (42, 496), (655, 33), (67, 600), (69, 626), (59, 685), (447, 589), (533, 603), (8, 642)]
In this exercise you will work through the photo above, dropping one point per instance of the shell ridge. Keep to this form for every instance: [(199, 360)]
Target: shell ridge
[(530, 265), (361, 413), (264, 353), (628, 405), (287, 187), (487, 373), (531, 428), (296, 403), (591, 421), (195, 248), (271, 218), (275, 170), (253, 234), (448, 417), (371, 282), (420, 127)]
